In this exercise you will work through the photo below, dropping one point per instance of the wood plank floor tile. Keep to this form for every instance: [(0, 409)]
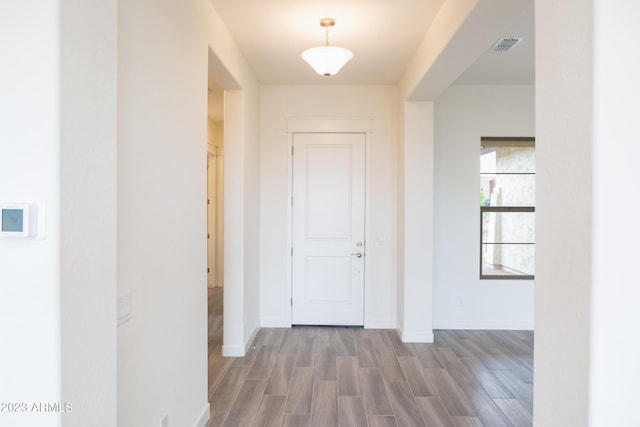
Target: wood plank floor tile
[(348, 381), (512, 363), (261, 368), (296, 420), (453, 365), (488, 339), (521, 391), (270, 412), (274, 336), (326, 365), (404, 405), (280, 377), (365, 352), (361, 333), (346, 342), (453, 398), (515, 412), (374, 392), (290, 341), (467, 422), (379, 337), (327, 337), (218, 366), (387, 359), (484, 377), (382, 421), (414, 373), (228, 389), (479, 349), (324, 409), (307, 351), (246, 403), (425, 354), (300, 391), (448, 339), (521, 363), (309, 331), (217, 418), (248, 359), (519, 342), (484, 407), (351, 411), (433, 412), (399, 348), (303, 376), (258, 338)]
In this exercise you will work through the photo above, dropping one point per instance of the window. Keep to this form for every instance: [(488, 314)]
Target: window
[(507, 208)]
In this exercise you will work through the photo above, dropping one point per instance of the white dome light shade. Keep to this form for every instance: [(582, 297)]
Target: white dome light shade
[(327, 60)]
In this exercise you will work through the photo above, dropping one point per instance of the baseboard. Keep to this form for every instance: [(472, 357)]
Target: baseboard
[(204, 417), (417, 337), (233, 350), (239, 350), (484, 324), (249, 340)]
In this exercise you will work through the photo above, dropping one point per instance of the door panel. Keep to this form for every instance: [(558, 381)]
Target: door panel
[(328, 229)]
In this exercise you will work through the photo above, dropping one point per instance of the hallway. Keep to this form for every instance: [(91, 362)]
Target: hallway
[(310, 376)]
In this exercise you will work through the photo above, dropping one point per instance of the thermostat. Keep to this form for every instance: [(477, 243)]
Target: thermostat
[(18, 220)]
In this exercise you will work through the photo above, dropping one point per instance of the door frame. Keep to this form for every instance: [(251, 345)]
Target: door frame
[(327, 125)]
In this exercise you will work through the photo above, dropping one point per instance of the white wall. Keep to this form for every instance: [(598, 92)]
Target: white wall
[(378, 103), (616, 230), (58, 150), (252, 184), (88, 129), (564, 102), (30, 360), (587, 293), (162, 156), (463, 114), (415, 223)]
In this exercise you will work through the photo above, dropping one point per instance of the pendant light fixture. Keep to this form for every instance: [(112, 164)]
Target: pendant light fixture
[(327, 60)]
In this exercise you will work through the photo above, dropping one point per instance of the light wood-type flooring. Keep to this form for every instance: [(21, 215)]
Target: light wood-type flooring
[(324, 376)]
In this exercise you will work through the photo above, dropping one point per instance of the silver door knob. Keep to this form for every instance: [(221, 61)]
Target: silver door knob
[(357, 254)]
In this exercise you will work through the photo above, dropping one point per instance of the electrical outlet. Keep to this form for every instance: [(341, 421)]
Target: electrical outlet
[(164, 422)]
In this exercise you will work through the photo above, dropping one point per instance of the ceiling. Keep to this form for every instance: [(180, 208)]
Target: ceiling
[(516, 67), (384, 36)]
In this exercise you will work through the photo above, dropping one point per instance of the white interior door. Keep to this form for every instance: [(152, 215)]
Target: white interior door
[(328, 229)]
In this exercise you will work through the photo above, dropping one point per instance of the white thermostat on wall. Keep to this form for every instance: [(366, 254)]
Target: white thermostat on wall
[(18, 220)]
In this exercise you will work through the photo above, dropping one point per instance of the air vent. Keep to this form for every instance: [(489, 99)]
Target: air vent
[(505, 44)]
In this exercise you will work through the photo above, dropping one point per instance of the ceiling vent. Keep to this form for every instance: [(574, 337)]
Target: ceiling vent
[(505, 44)]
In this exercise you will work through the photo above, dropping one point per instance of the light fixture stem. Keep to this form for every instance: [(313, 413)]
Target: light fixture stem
[(327, 23)]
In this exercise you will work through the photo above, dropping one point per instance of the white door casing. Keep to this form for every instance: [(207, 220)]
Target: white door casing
[(328, 228), (211, 219)]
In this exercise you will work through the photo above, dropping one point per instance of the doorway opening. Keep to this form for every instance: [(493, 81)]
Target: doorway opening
[(215, 223), (215, 187)]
